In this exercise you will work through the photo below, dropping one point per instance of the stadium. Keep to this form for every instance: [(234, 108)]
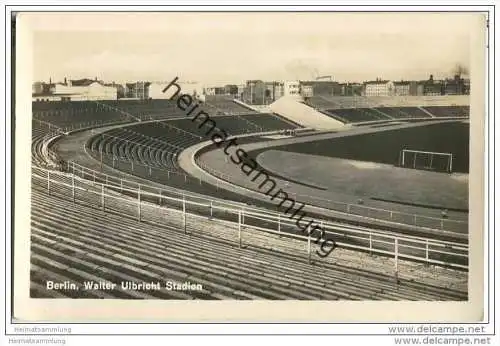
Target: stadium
[(137, 193)]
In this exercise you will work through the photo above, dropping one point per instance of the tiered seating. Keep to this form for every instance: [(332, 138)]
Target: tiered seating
[(69, 242), (386, 113), (321, 102), (336, 102), (270, 122), (354, 115), (148, 109), (150, 150), (465, 110), (442, 100), (449, 111), (162, 141), (404, 112), (73, 115), (304, 114), (37, 139), (236, 124), (146, 144), (361, 109), (226, 104), (67, 120), (288, 121), (154, 161), (58, 106), (333, 102), (40, 134)]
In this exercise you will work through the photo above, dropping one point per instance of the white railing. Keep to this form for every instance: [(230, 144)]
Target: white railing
[(360, 238), (121, 111), (133, 166), (82, 125), (50, 126), (357, 101), (372, 213), (358, 210), (96, 189)]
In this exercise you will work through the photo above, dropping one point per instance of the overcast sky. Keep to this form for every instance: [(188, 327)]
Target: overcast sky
[(222, 48)]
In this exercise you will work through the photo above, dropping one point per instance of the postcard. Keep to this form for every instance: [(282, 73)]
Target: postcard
[(250, 166)]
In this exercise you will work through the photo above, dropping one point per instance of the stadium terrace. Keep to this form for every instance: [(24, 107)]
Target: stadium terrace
[(249, 166)]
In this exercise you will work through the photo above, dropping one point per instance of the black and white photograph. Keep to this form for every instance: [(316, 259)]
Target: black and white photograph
[(258, 156)]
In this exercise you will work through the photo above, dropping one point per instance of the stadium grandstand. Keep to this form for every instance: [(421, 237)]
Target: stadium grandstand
[(366, 109), (138, 190)]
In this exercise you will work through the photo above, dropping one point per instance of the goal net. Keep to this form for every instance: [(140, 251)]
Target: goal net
[(428, 160)]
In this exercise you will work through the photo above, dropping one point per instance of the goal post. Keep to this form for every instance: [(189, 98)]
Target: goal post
[(426, 160)]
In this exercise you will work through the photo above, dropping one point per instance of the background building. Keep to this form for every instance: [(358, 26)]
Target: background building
[(137, 90), (351, 89), (258, 92), (466, 86), (241, 90), (401, 88), (455, 86), (320, 88), (273, 91), (155, 89), (84, 89), (120, 89), (209, 91), (254, 93), (306, 91), (231, 90), (433, 87), (37, 88), (291, 88), (416, 88), (378, 87)]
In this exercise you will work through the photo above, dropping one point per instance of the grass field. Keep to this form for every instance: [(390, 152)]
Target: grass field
[(370, 180), (385, 146)]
